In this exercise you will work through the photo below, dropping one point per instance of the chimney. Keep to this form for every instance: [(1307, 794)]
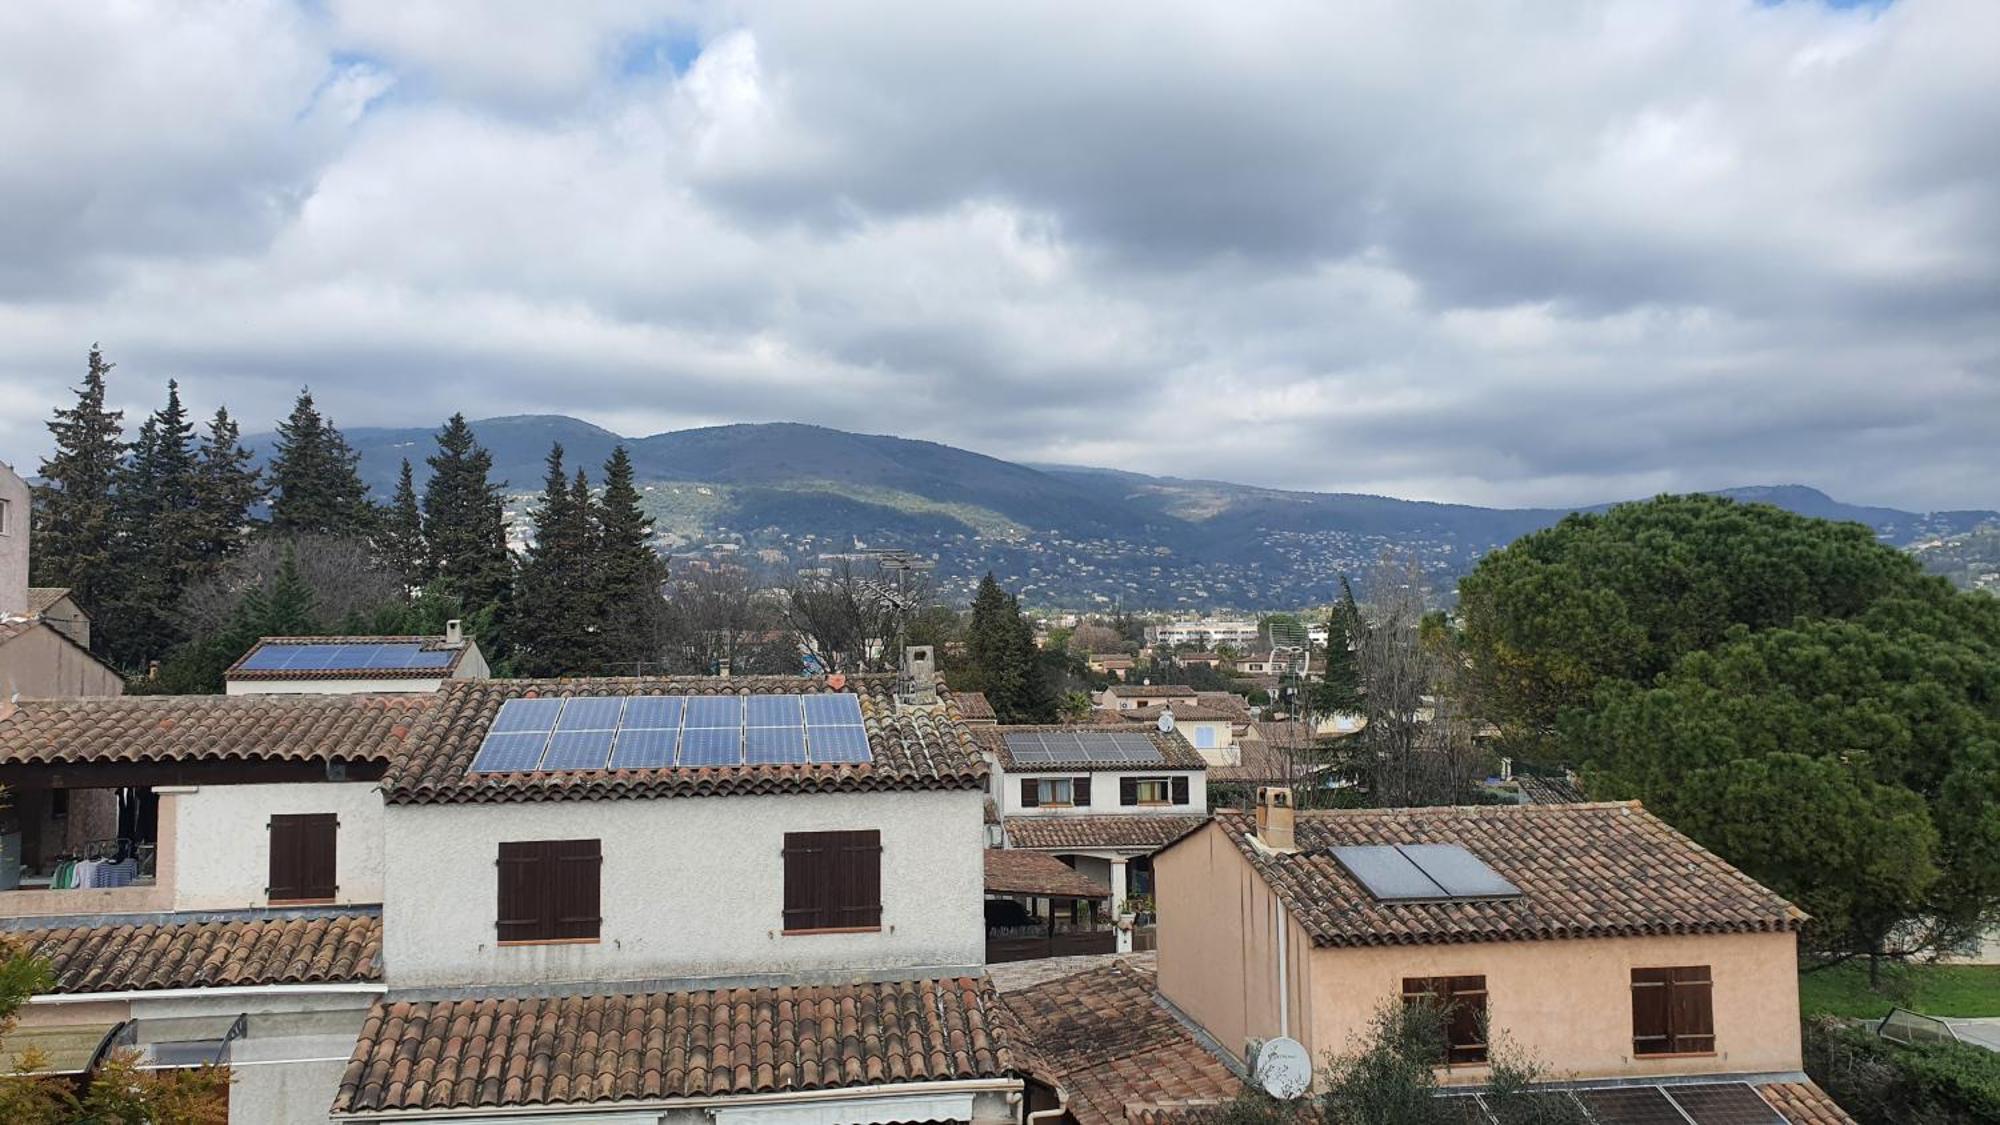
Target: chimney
[(1275, 818), (722, 666), (454, 633), (919, 674)]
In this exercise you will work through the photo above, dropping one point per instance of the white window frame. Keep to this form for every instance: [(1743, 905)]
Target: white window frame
[(1047, 787), (1166, 786)]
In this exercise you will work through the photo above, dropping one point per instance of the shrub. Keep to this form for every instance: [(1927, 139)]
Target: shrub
[(1881, 1083)]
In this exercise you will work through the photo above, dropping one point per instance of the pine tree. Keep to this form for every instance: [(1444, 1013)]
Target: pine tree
[(1037, 702), (553, 620), (227, 485), (988, 643), (629, 573), (399, 534), (1339, 688), (160, 532), (316, 488), (74, 529), (287, 609), (464, 533)]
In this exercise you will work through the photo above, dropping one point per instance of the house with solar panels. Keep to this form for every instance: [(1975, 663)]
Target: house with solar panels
[(1101, 800), (297, 665), (1658, 980)]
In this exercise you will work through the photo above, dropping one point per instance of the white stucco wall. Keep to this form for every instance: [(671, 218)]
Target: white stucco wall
[(287, 1067), (1103, 794), (692, 887), (222, 845), (332, 686)]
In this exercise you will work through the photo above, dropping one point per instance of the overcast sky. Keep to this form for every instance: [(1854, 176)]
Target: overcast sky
[(1505, 253)]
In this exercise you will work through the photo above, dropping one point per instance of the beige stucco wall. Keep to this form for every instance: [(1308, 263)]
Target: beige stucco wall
[(1219, 954), (1569, 1003), (42, 664), (224, 840)]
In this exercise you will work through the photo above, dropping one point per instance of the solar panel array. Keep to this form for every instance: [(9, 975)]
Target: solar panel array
[(1423, 873), (1110, 748), (635, 732), (344, 657), (1703, 1103)]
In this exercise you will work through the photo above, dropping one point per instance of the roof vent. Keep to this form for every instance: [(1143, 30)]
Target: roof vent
[(454, 633)]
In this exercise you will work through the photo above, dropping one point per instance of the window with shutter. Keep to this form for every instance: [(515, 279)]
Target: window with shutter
[(303, 853), (1080, 788), (1151, 791), (550, 890), (1463, 1002), (1128, 790), (1031, 793), (1180, 791), (833, 882), (1673, 1011)]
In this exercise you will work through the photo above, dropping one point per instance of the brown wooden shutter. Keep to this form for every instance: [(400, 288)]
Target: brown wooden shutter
[(1180, 787), (1080, 792), (1672, 1011), (833, 880), (1128, 790), (1463, 1001), (526, 908), (303, 857), (1031, 793), (578, 868)]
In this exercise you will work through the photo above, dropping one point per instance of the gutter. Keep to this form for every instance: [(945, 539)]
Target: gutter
[(841, 1093), (353, 988)]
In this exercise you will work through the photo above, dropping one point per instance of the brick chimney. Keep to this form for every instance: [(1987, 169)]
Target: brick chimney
[(1276, 818)]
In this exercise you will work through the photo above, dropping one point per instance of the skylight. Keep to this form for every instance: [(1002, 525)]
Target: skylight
[(1423, 873)]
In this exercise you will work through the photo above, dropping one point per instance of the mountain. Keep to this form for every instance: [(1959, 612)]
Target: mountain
[(782, 495)]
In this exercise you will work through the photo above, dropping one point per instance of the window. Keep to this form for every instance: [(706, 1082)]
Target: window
[(6, 516), (549, 891), (833, 882), (303, 848), (1153, 791), (1463, 1002), (1672, 1011), (1060, 792), (1204, 738)]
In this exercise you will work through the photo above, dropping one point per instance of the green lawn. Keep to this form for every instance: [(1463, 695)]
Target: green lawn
[(1934, 990)]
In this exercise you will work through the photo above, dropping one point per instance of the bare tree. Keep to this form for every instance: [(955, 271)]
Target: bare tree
[(718, 614), (1090, 638), (1417, 748), (852, 618), (344, 574)]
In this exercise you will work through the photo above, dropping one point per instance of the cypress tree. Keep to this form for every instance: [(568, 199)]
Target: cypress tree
[(629, 572), (226, 485), (552, 620), (1339, 689), (1000, 647), (399, 534), (73, 521), (316, 488), (1037, 702), (160, 532), (464, 534)]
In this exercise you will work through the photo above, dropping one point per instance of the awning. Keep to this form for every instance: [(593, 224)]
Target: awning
[(64, 1049)]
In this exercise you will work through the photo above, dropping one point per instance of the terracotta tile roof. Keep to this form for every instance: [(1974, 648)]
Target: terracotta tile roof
[(430, 643), (1110, 660), (1103, 1040), (1803, 1103), (195, 728), (1145, 691), (921, 747), (316, 949), (1011, 871), (11, 627), (605, 1049), (1603, 870), (1260, 761), (40, 598), (1114, 830), (1225, 701), (974, 706), (1175, 753), (1548, 790), (1183, 711)]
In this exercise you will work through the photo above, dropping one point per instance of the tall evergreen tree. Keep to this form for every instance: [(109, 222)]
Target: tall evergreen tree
[(316, 488), (465, 536), (74, 528), (629, 572), (399, 533), (288, 609), (553, 620), (227, 485), (160, 532), (1339, 688), (1000, 648), (1037, 702)]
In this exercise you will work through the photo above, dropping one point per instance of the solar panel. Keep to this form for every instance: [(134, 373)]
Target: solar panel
[(838, 744), (1723, 1103), (764, 746), (1631, 1105), (509, 753), (714, 711), (432, 659), (773, 711), (1387, 873), (1459, 872), (712, 746), (591, 713), (527, 714), (578, 750), (833, 709), (1466, 1108), (268, 658), (644, 749), (653, 712)]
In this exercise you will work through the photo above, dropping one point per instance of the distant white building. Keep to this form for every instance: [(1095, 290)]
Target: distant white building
[(1207, 633)]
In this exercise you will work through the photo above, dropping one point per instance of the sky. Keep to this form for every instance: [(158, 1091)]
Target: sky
[(1518, 252)]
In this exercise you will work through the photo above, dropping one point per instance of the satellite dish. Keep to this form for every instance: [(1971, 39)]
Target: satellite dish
[(1166, 722), (1282, 1068)]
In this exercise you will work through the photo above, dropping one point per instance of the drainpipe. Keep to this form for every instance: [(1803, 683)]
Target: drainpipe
[(1284, 974)]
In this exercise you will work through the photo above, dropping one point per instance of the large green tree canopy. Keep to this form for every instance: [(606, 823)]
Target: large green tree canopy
[(1796, 696)]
